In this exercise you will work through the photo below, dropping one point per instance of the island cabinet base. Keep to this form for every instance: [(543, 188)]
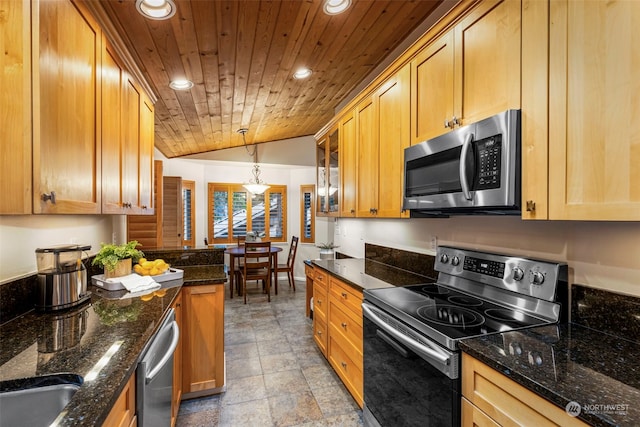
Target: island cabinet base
[(492, 399), (123, 413), (203, 346)]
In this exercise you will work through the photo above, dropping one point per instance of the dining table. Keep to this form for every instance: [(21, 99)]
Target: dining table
[(238, 252)]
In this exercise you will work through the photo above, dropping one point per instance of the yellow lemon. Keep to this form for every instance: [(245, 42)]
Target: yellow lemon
[(142, 261), (159, 261), (154, 271), (138, 269), (147, 264), (147, 297), (160, 293)]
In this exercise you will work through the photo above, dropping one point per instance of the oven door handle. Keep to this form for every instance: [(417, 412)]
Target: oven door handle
[(442, 357)]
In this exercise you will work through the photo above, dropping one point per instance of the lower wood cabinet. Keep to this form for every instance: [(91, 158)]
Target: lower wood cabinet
[(492, 399), (123, 413), (337, 329), (309, 273), (203, 340)]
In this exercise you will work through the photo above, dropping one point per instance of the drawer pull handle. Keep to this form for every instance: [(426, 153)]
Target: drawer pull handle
[(344, 365), (319, 332), (344, 295), (344, 325)]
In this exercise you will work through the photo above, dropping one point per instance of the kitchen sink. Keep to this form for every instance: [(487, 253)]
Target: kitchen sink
[(36, 401)]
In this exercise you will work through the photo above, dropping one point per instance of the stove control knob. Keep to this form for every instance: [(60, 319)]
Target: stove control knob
[(517, 274), (444, 258), (538, 278), (515, 349), (455, 260), (535, 358)]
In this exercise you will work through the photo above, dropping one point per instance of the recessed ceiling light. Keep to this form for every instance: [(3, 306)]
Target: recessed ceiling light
[(156, 9), (335, 7), (181, 84), (302, 73)]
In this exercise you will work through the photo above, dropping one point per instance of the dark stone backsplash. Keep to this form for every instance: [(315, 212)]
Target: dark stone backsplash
[(17, 297), (608, 312), (421, 264)]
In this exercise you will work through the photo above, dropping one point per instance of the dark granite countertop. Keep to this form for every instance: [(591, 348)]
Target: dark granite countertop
[(365, 274), (203, 274), (73, 341), (579, 364)]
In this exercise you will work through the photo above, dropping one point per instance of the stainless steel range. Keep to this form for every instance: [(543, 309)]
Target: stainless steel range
[(411, 334)]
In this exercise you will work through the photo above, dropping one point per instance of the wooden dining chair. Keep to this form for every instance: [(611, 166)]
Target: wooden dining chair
[(238, 265), (257, 266), (288, 266)]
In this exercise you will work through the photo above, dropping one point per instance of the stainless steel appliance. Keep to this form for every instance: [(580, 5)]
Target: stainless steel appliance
[(62, 277), (470, 170), (411, 334), (154, 376)]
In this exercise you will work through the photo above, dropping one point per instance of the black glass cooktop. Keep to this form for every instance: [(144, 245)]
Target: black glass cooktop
[(445, 314)]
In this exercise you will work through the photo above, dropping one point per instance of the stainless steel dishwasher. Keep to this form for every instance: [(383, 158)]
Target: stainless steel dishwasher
[(154, 376)]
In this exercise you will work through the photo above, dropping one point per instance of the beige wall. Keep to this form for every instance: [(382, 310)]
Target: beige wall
[(599, 254)]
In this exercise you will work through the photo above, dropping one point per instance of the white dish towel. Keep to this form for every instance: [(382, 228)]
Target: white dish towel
[(135, 282)]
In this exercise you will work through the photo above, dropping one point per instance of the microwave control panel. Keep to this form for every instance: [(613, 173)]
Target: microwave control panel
[(488, 161)]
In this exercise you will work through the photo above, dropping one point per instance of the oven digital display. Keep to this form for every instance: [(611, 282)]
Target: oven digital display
[(483, 266)]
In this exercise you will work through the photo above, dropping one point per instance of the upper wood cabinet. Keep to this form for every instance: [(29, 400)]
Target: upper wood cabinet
[(127, 141), (348, 164), (469, 73), (15, 104), (594, 132), (67, 42), (382, 135), (580, 133), (328, 174)]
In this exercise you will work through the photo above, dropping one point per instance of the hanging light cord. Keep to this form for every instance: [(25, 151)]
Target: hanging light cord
[(243, 131)]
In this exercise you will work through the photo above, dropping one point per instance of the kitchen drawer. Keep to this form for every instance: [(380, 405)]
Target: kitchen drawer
[(309, 271), (320, 334), (320, 301), (348, 296), (349, 370), (321, 278), (347, 324), (474, 417), (507, 402)]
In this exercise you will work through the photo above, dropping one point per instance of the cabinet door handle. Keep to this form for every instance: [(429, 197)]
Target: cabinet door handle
[(51, 196), (344, 295), (344, 365), (531, 206), (319, 332), (447, 124), (455, 122), (344, 325)]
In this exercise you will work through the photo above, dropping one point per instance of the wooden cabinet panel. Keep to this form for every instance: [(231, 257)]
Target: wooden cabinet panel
[(474, 417), (487, 60), (177, 361), (320, 334), (130, 142), (594, 134), (15, 107), (66, 108), (145, 178), (320, 310), (347, 296), (393, 100), (469, 73), (203, 345), (507, 402), (349, 370), (123, 413), (147, 229), (348, 165), (367, 155), (432, 89)]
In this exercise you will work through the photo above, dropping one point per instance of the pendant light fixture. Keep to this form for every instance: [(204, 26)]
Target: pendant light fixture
[(255, 184)]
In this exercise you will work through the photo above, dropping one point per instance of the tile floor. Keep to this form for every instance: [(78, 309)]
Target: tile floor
[(276, 376)]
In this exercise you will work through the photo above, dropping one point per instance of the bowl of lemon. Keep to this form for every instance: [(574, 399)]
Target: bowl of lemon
[(145, 267)]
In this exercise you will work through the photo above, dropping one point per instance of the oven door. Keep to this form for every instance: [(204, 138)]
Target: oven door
[(404, 378)]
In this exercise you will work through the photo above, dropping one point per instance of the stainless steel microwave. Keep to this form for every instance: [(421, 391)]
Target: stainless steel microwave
[(474, 169)]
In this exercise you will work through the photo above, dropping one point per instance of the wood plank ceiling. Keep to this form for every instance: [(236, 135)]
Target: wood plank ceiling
[(241, 55)]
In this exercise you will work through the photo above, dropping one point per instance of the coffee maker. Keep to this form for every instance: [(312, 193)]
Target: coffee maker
[(62, 277)]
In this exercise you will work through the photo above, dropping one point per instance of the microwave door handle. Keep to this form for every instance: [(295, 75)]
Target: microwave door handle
[(463, 166)]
